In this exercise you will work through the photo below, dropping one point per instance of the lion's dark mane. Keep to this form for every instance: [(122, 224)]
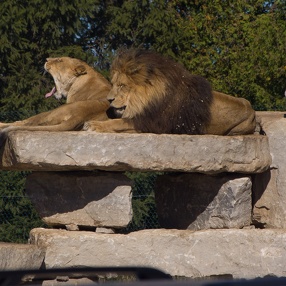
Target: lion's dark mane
[(184, 108)]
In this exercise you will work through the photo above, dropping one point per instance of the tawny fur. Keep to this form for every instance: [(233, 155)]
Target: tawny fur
[(152, 93), (85, 91)]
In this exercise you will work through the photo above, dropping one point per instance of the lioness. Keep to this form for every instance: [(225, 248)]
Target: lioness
[(85, 91), (152, 93)]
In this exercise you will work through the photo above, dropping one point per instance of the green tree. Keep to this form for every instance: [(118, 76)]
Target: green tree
[(242, 44), (238, 45), (17, 214)]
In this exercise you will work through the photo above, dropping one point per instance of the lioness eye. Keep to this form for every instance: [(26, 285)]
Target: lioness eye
[(121, 85)]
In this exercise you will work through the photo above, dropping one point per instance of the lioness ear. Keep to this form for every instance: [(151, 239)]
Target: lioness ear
[(80, 70)]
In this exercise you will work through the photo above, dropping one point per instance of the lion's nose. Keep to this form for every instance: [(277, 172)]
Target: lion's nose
[(110, 100)]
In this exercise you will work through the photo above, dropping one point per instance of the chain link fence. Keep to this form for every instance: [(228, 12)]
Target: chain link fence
[(18, 216), (143, 201)]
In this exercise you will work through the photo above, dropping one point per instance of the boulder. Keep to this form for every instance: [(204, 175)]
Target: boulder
[(240, 253), (198, 201), (135, 152), (270, 187), (20, 256), (81, 199)]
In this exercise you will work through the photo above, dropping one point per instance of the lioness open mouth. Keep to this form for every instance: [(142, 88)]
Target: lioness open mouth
[(51, 93), (54, 92)]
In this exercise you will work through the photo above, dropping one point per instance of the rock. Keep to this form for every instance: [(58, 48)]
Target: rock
[(72, 227), (104, 230), (240, 253), (135, 152), (197, 201), (270, 187), (20, 256), (81, 199)]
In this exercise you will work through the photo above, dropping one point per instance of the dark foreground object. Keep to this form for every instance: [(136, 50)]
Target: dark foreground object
[(145, 276)]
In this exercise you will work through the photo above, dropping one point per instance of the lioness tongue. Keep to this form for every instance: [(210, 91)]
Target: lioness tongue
[(51, 92)]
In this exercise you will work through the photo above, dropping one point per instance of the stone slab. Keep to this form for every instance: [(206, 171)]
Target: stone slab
[(20, 256), (244, 253), (199, 201), (81, 199), (52, 151)]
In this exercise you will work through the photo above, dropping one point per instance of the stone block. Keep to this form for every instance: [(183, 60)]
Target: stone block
[(270, 187), (81, 199), (135, 152), (20, 256), (240, 253), (198, 201)]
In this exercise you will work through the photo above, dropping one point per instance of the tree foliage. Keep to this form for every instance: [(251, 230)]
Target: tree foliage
[(17, 214)]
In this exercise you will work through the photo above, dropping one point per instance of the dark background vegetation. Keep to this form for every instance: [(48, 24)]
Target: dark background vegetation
[(240, 46)]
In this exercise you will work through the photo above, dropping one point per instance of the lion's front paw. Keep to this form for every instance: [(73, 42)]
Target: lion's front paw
[(98, 126), (86, 126)]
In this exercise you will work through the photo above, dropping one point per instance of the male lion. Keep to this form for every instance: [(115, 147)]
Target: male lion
[(152, 93), (85, 91)]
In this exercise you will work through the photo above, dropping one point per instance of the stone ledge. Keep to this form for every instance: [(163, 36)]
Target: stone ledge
[(244, 253), (62, 151), (20, 256), (81, 199)]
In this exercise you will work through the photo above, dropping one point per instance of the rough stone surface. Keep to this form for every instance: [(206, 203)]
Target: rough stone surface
[(197, 201), (270, 187), (246, 253), (20, 256), (81, 199), (138, 152)]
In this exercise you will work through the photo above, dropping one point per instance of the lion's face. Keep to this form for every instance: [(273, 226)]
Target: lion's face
[(130, 94), (119, 96), (64, 71)]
